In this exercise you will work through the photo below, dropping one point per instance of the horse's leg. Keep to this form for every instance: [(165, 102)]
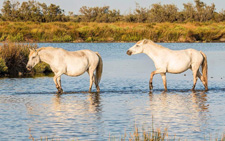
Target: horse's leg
[(152, 74), (164, 80), (150, 82), (194, 78), (91, 74), (93, 80), (59, 84), (201, 78), (96, 84), (55, 81)]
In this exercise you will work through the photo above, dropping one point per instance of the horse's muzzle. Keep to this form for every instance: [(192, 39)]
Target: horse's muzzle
[(129, 52), (29, 68)]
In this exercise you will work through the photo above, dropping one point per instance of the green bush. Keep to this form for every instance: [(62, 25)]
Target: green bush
[(42, 68), (16, 57), (3, 37), (17, 38), (65, 38), (3, 67)]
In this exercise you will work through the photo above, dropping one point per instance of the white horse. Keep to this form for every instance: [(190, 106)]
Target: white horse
[(173, 61), (69, 63)]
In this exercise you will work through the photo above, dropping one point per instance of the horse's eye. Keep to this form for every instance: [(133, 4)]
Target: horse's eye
[(137, 46), (33, 57)]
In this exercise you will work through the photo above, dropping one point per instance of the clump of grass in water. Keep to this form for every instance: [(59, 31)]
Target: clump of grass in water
[(154, 135), (14, 57)]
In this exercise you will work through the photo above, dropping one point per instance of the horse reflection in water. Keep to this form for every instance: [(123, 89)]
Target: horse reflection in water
[(70, 63), (65, 113), (89, 104), (188, 110), (173, 61)]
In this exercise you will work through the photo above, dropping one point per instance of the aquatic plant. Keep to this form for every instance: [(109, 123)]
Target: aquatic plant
[(154, 135), (3, 67)]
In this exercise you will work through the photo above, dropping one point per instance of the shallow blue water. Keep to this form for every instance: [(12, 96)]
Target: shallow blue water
[(30, 107)]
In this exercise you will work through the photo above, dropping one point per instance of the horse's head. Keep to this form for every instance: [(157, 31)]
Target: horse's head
[(34, 59), (137, 48)]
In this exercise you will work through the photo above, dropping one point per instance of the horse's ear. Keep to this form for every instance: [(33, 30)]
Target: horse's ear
[(145, 41), (30, 49)]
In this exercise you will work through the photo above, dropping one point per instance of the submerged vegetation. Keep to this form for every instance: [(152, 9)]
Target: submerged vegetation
[(13, 60), (111, 32)]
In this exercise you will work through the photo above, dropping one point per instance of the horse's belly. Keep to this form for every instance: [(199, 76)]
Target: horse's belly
[(178, 67), (76, 70), (177, 70)]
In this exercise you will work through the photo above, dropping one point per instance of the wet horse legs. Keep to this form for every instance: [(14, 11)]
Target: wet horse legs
[(57, 80)]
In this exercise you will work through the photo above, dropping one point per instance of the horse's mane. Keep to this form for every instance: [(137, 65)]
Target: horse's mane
[(45, 48), (146, 41)]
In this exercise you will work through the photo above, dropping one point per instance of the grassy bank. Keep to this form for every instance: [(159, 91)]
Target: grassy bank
[(111, 32), (13, 60)]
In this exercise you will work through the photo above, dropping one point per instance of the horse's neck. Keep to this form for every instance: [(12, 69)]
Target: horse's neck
[(154, 52), (46, 56)]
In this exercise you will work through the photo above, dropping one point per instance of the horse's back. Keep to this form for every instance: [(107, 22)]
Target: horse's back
[(181, 60), (80, 61), (195, 55)]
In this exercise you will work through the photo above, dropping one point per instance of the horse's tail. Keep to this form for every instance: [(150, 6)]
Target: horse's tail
[(205, 70), (99, 69)]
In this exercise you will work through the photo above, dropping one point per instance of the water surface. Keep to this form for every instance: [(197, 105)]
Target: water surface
[(30, 107)]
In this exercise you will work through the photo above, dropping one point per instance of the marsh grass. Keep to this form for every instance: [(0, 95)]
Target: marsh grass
[(153, 135), (159, 135), (14, 57), (150, 134), (111, 32)]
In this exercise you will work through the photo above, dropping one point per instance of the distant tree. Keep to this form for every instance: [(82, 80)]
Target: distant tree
[(130, 17), (99, 14), (54, 13), (15, 7), (71, 14), (204, 12), (7, 10), (141, 13), (220, 16), (189, 12), (32, 11), (114, 15), (163, 13), (24, 11), (44, 9)]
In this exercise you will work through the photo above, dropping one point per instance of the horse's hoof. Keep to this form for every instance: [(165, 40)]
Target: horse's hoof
[(151, 87), (60, 91), (98, 90)]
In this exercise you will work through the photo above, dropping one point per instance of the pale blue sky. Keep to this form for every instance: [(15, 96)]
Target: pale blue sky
[(123, 5)]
